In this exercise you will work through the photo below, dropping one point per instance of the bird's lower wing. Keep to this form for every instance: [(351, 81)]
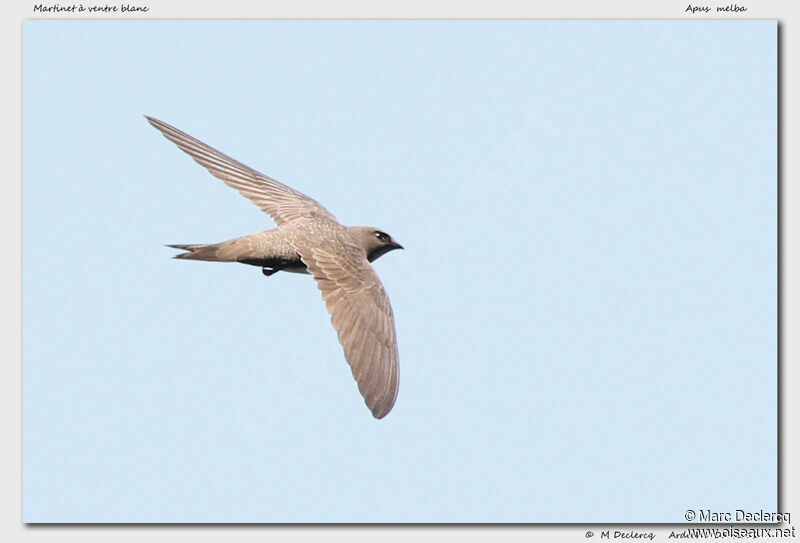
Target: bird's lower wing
[(363, 318)]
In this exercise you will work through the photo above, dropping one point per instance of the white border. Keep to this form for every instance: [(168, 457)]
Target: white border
[(11, 527)]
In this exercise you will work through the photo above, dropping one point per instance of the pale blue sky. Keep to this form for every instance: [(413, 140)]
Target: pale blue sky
[(586, 309)]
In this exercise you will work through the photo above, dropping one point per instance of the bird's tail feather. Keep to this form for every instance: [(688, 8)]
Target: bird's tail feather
[(198, 252)]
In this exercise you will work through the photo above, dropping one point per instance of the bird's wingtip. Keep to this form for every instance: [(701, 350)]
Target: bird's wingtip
[(380, 411)]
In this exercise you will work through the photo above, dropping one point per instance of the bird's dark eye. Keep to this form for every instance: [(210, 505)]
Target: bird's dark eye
[(382, 236)]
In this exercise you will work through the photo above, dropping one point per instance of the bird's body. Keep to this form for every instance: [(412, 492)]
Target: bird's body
[(276, 248), (273, 249), (308, 239)]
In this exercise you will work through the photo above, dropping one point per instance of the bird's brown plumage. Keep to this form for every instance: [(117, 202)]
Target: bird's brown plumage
[(282, 203), (336, 256)]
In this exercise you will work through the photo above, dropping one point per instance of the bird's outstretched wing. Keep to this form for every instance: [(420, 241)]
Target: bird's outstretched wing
[(282, 203), (363, 318)]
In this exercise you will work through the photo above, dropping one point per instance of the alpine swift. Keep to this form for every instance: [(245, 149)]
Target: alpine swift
[(308, 239)]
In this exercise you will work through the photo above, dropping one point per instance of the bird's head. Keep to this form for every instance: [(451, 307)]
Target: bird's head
[(375, 242)]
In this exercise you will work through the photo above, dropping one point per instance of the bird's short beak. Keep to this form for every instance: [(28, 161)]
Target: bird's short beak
[(397, 245)]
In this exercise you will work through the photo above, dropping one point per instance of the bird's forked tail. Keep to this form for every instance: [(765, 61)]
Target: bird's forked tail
[(198, 252)]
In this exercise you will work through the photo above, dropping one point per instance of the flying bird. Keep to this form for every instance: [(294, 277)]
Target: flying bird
[(308, 239)]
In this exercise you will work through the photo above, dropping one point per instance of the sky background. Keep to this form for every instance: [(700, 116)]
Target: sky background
[(586, 307)]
